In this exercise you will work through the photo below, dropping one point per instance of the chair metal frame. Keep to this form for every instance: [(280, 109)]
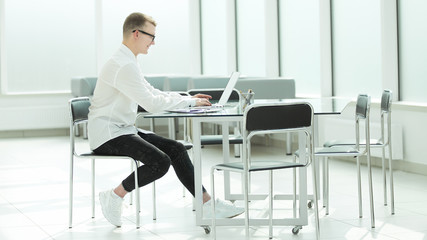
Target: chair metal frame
[(288, 117), (79, 109), (270, 88), (382, 142), (362, 113)]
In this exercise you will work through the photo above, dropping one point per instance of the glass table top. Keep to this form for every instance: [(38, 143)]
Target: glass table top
[(321, 106)]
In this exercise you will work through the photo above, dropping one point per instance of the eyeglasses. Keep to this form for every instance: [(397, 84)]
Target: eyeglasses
[(146, 33)]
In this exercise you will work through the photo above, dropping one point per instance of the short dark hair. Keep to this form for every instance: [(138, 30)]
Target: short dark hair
[(135, 21)]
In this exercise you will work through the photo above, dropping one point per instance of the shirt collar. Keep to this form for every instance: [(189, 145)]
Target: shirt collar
[(127, 51)]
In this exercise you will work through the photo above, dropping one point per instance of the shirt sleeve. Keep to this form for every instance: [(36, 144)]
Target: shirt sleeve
[(130, 82)]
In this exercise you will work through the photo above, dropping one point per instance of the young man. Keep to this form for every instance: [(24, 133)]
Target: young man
[(120, 88)]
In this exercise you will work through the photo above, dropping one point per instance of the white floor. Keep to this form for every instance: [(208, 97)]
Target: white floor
[(34, 200)]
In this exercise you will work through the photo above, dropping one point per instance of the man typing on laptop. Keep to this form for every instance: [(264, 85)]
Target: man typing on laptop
[(225, 96), (120, 88)]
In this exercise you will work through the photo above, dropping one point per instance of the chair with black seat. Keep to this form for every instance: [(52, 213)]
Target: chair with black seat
[(361, 113), (279, 118), (383, 142), (270, 88), (79, 109), (215, 139), (82, 87)]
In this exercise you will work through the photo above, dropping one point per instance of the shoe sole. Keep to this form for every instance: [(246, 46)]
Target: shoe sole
[(220, 216), (237, 214)]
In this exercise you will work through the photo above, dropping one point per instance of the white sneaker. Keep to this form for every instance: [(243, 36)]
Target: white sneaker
[(111, 207), (223, 209)]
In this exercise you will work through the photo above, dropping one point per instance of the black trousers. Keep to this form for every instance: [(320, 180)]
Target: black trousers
[(156, 153)]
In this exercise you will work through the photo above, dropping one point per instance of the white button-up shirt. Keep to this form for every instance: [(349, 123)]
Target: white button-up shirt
[(120, 88)]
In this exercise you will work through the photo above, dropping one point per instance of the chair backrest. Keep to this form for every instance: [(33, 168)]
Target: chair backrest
[(203, 82), (362, 112), (178, 83), (386, 101), (83, 86), (362, 106), (158, 82), (285, 116), (268, 88), (215, 93), (79, 109)]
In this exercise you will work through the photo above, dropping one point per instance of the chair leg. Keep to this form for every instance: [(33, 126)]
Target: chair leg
[(137, 195), (93, 187), (327, 184), (316, 202), (359, 187), (152, 125), (324, 182), (288, 143), (213, 204), (237, 150), (390, 165), (270, 191), (176, 123), (384, 176), (246, 199), (294, 198), (85, 130), (77, 131), (154, 200), (371, 193), (70, 196)]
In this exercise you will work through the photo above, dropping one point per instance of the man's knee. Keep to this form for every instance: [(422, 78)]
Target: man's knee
[(177, 150), (163, 164), (180, 147)]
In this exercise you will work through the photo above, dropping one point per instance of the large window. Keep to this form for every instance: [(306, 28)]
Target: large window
[(413, 50), (299, 44), (171, 52), (45, 43), (43, 49), (215, 37), (251, 37), (356, 37)]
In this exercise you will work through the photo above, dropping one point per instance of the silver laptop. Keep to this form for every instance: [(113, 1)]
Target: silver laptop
[(222, 100)]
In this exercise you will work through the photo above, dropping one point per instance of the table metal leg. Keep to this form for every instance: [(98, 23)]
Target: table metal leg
[(197, 156)]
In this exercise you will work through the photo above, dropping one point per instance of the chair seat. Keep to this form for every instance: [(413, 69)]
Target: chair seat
[(335, 150), (94, 155), (258, 165), (187, 145), (374, 142), (346, 149), (217, 139)]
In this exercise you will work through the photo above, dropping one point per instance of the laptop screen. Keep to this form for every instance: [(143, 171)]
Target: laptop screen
[(229, 88)]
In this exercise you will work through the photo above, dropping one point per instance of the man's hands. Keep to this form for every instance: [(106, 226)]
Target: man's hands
[(202, 99)]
